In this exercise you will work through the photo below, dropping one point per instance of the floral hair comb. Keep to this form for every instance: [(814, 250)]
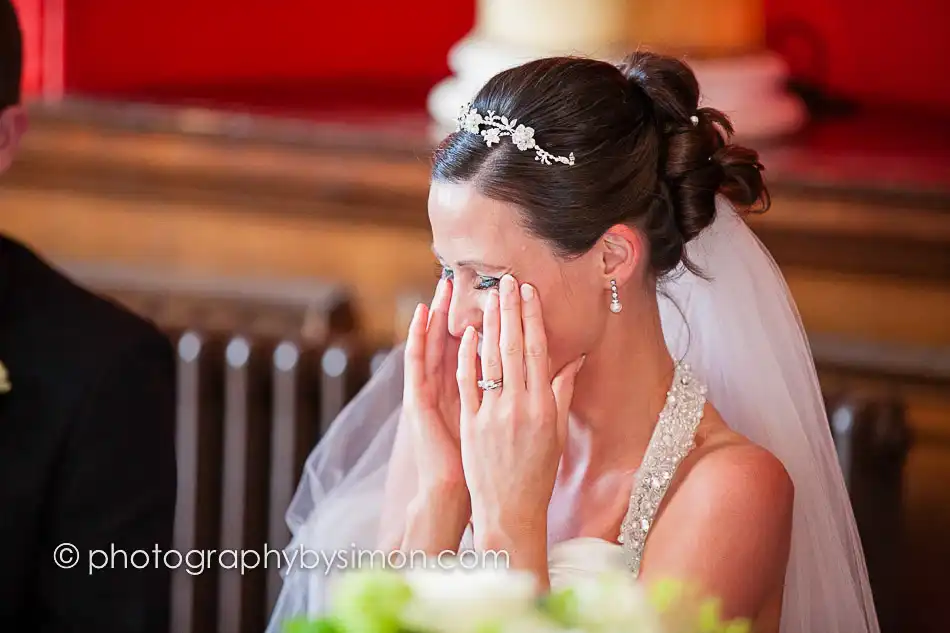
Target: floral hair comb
[(496, 126)]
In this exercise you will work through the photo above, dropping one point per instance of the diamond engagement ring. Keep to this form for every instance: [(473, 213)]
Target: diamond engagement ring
[(488, 385)]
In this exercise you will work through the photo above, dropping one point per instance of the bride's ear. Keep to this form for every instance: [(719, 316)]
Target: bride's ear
[(623, 253)]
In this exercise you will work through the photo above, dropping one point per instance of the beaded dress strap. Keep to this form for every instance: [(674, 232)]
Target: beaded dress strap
[(672, 440)]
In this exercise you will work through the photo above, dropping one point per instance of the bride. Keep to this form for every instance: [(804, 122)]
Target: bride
[(612, 374)]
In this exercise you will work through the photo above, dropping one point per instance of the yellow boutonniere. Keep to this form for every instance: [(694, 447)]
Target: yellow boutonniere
[(4, 379)]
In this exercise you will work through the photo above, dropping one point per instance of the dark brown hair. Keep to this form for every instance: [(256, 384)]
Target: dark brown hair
[(639, 157), (11, 55)]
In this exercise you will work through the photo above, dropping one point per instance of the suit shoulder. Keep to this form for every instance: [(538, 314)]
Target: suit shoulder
[(75, 326), (105, 322)]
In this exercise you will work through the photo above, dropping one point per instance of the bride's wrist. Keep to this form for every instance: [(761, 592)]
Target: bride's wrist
[(493, 531), (499, 530), (445, 501), (517, 522), (522, 543), (436, 518), (442, 492)]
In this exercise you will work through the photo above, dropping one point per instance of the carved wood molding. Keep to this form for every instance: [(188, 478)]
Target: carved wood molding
[(377, 173)]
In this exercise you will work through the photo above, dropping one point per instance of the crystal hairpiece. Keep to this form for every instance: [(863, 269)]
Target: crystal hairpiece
[(497, 126)]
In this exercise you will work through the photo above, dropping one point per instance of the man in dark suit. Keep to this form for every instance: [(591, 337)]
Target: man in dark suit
[(87, 461)]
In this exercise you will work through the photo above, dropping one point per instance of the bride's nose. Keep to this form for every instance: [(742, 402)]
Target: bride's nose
[(464, 310)]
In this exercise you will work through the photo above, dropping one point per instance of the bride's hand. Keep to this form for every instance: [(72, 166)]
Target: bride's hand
[(512, 437), (430, 394)]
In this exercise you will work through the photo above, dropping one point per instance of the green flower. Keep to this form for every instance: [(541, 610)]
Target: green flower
[(682, 609), (710, 620), (370, 601), (562, 607), (303, 625)]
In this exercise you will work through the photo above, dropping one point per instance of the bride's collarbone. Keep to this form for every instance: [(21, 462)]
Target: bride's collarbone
[(593, 503), (590, 508)]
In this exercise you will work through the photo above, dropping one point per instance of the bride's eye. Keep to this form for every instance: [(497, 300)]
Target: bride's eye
[(486, 283)]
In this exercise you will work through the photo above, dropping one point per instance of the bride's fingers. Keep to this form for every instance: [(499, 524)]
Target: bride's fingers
[(535, 342), (465, 374), (437, 331), (415, 350), (511, 341), (491, 357)]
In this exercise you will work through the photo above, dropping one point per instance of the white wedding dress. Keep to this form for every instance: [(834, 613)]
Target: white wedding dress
[(739, 342)]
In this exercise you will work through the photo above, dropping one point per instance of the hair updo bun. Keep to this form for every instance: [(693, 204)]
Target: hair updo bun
[(696, 163), (645, 153)]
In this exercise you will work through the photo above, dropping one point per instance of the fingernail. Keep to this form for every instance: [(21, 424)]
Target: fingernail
[(508, 283), (581, 363), (527, 292)]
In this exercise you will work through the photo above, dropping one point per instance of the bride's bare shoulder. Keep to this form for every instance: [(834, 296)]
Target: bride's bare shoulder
[(728, 522), (735, 471)]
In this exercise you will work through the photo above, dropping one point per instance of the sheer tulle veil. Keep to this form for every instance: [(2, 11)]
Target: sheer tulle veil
[(740, 331)]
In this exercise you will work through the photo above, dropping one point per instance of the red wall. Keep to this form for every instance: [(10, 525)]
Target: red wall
[(188, 42), (871, 50), (890, 54), (30, 13)]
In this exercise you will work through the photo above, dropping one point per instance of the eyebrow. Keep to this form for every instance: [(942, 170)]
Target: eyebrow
[(471, 263)]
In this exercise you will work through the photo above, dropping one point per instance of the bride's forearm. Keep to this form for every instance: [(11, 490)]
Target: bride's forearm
[(401, 487), (436, 519)]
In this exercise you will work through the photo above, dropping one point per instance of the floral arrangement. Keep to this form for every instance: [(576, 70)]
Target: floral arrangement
[(502, 601)]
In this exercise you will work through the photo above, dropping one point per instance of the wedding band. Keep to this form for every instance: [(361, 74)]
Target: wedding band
[(488, 385)]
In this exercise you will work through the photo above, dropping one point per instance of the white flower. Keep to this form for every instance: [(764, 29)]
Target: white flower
[(463, 601), (523, 137), (471, 121), (615, 603), (533, 623), (492, 135)]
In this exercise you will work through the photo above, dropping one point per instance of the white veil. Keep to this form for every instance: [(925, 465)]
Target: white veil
[(339, 503), (742, 334)]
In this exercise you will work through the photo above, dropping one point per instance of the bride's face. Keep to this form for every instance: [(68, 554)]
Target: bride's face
[(477, 240)]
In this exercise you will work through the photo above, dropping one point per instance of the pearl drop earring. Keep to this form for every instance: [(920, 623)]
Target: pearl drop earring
[(615, 305)]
